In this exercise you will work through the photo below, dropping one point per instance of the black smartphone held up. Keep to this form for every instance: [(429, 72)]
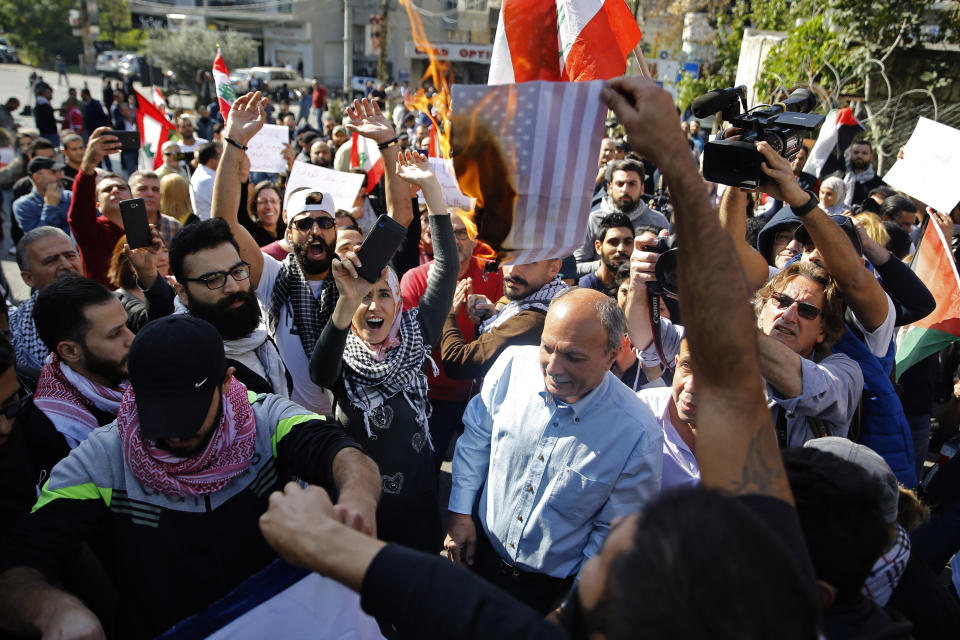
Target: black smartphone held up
[(129, 140), (135, 224), (378, 247)]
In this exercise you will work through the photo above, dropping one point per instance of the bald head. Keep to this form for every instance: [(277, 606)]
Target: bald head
[(581, 338)]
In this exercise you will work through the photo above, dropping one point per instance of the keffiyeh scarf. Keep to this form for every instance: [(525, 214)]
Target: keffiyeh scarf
[(65, 397), (539, 299), (266, 351), (370, 382), (226, 455), (310, 313), (30, 349), (888, 569), (851, 180)]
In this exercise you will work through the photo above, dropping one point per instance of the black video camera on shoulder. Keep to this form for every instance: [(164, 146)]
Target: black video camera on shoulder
[(781, 125)]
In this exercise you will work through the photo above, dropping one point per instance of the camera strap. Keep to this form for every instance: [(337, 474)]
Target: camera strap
[(653, 299)]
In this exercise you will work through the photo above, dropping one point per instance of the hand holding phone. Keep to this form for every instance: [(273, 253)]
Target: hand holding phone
[(378, 247), (135, 224), (129, 140)]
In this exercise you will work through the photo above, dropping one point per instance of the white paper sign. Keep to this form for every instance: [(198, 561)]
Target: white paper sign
[(266, 149), (930, 166), (343, 186), (452, 196)]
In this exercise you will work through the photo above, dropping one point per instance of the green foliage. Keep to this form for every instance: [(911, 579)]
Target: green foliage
[(721, 71), (40, 29), (193, 48), (114, 18), (130, 40)]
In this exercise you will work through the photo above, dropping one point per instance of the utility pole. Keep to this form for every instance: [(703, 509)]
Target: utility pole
[(347, 50), (89, 55)]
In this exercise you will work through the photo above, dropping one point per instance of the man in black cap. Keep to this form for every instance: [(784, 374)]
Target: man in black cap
[(180, 480), (47, 203)]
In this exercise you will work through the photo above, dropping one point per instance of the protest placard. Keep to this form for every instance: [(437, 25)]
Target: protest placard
[(265, 149), (452, 195), (930, 166), (343, 186)]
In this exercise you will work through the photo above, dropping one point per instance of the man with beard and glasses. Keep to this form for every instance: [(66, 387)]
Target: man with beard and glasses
[(623, 196), (213, 283), (529, 289), (614, 243), (299, 294), (177, 482), (83, 378), (43, 255)]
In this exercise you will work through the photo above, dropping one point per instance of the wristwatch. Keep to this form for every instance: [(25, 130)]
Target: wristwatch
[(811, 204)]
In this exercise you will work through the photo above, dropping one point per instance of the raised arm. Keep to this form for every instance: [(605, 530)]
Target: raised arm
[(246, 118), (369, 122), (860, 288), (736, 445), (733, 218)]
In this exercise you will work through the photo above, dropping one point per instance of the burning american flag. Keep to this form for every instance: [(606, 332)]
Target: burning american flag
[(527, 153)]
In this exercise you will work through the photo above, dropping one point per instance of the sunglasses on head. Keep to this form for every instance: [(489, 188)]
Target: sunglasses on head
[(804, 309), (305, 224)]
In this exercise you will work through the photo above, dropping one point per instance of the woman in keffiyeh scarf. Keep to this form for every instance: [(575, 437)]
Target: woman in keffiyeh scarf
[(372, 353)]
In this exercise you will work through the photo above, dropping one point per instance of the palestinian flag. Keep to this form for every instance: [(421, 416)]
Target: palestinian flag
[(838, 131), (154, 129), (365, 155), (934, 265), (225, 93)]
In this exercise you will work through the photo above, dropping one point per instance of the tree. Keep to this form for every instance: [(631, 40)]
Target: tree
[(40, 28), (114, 18), (192, 49), (850, 52)]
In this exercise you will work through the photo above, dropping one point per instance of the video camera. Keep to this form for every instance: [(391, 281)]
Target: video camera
[(781, 125)]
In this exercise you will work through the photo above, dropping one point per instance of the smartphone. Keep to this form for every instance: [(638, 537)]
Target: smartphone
[(129, 141), (135, 224), (378, 247)]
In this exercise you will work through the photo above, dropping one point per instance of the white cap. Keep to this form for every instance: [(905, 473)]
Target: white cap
[(297, 204)]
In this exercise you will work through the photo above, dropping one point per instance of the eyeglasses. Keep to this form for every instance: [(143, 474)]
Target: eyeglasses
[(15, 408), (305, 224), (218, 279), (805, 309), (461, 234)]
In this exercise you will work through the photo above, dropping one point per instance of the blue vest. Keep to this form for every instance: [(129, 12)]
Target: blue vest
[(883, 425)]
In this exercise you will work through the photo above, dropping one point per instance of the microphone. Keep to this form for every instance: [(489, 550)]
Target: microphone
[(714, 101), (801, 100)]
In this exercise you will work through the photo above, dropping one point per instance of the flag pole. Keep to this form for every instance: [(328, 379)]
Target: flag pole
[(641, 63)]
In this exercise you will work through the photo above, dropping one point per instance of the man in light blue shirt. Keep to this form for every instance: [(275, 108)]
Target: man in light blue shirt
[(555, 448), (47, 203)]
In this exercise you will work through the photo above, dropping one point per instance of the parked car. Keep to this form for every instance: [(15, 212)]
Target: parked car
[(108, 63), (238, 78), (359, 85), (274, 78), (130, 66), (7, 52)]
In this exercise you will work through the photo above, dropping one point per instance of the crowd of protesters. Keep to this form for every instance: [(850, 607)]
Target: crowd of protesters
[(722, 456)]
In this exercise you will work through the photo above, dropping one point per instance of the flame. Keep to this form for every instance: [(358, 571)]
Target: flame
[(438, 72), (482, 168)]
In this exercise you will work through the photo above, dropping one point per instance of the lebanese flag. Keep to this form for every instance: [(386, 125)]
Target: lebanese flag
[(934, 265), (837, 132), (365, 155), (225, 93), (565, 40), (158, 100), (154, 129)]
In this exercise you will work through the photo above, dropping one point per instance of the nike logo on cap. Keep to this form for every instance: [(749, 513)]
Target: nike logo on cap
[(199, 384)]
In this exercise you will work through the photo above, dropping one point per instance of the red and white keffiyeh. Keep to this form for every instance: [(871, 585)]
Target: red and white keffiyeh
[(227, 454), (65, 397)]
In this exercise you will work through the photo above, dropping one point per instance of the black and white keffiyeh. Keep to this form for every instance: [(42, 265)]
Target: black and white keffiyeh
[(370, 383), (539, 299), (30, 349), (310, 314), (851, 180)]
